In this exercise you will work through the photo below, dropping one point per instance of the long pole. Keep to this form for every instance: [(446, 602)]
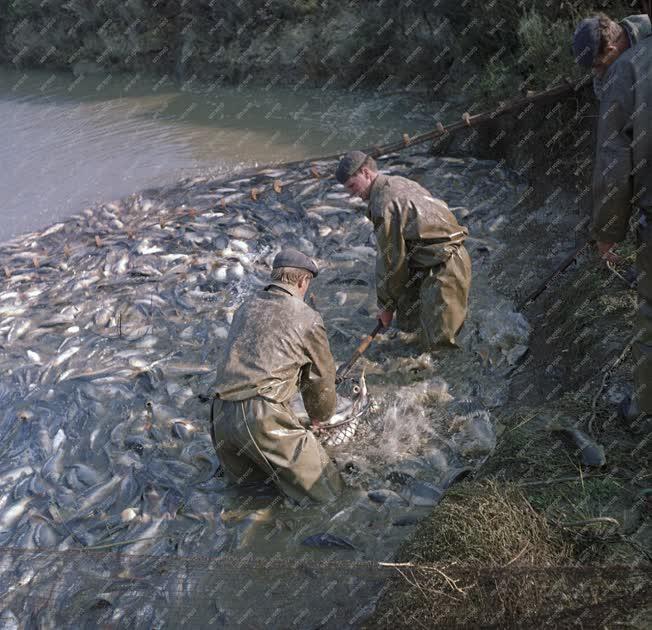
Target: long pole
[(345, 368), (505, 107), (562, 90)]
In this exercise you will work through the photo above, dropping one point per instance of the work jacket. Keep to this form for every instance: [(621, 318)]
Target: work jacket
[(277, 344), (622, 175), (414, 230)]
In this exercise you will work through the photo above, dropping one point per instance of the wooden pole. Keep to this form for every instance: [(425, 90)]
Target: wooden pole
[(345, 368), (562, 90)]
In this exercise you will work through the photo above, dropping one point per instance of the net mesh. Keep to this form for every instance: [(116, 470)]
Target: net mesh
[(100, 588)]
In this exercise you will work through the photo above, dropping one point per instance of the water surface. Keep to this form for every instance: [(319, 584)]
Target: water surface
[(70, 142)]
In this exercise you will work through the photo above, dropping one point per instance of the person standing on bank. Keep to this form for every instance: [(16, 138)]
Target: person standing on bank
[(423, 271), (276, 346), (622, 178)]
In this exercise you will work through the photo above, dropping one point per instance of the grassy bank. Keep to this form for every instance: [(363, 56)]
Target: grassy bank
[(486, 558), (470, 48)]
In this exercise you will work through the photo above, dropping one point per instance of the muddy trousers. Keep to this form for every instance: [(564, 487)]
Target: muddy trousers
[(643, 345), (435, 301), (259, 440)]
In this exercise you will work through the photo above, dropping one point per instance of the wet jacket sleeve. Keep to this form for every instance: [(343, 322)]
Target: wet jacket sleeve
[(391, 262), (318, 376), (612, 174)]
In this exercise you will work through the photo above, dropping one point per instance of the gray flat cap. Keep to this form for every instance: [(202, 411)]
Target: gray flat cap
[(348, 165), (289, 257), (586, 41)]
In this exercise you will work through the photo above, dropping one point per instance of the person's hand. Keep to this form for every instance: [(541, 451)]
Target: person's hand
[(604, 249), (385, 317), (315, 426)]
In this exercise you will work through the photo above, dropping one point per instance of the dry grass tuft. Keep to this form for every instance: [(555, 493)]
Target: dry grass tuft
[(486, 524), (498, 563)]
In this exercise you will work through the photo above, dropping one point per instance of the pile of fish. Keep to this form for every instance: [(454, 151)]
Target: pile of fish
[(111, 330)]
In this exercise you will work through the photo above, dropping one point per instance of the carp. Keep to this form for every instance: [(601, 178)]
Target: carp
[(353, 403)]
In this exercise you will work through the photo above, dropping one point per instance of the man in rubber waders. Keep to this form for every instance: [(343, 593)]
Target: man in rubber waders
[(622, 176), (423, 271), (277, 345)]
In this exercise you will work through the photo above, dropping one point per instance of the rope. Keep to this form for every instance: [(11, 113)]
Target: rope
[(562, 90), (250, 562)]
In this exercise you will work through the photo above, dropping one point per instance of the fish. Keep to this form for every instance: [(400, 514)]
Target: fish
[(422, 494), (12, 475), (147, 536), (273, 173), (64, 356), (427, 494), (243, 232), (454, 476), (92, 329), (591, 453), (86, 474), (186, 369), (34, 357), (100, 495), (183, 430), (45, 535), (10, 515), (8, 621), (383, 496), (325, 211), (407, 520), (327, 541), (353, 403), (309, 189)]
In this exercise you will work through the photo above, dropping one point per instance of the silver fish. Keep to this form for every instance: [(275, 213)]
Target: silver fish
[(12, 475), (12, 514), (352, 404), (327, 541)]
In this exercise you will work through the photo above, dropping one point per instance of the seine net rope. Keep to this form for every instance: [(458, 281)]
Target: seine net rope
[(80, 587)]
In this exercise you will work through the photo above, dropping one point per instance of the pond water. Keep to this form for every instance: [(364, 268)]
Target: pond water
[(73, 141)]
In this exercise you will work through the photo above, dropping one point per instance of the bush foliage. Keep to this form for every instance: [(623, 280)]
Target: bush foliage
[(369, 43)]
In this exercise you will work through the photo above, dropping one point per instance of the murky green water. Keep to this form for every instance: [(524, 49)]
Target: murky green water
[(70, 141)]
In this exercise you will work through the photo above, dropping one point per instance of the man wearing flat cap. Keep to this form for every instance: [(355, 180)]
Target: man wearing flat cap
[(598, 41), (423, 271), (622, 171), (277, 345)]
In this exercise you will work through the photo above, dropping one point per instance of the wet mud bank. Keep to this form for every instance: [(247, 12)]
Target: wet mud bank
[(112, 328)]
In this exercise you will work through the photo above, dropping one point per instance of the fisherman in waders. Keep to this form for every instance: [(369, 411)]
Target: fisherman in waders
[(622, 176), (423, 271), (277, 345)]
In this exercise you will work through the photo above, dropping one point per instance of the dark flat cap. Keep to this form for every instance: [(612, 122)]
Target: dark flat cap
[(348, 165), (586, 41), (289, 257)]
